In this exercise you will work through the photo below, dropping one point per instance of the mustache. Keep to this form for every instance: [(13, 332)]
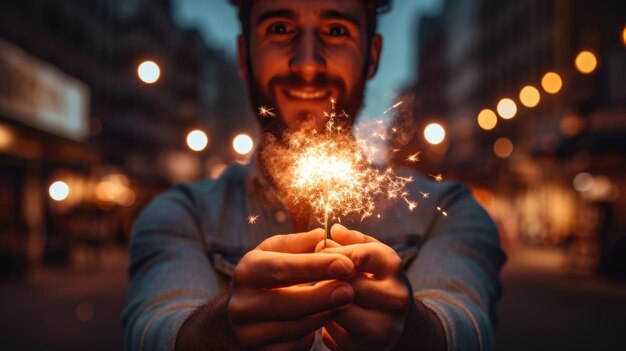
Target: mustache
[(321, 81)]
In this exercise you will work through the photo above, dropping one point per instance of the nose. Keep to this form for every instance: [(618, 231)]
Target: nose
[(308, 60)]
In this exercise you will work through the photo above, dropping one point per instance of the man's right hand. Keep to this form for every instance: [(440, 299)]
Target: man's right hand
[(274, 302)]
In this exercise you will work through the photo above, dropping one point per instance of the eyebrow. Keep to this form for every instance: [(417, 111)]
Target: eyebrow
[(334, 14), (283, 13)]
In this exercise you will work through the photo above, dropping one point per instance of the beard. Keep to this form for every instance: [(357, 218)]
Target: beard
[(266, 96)]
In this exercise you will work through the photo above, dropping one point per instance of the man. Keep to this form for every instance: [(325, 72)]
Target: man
[(202, 278)]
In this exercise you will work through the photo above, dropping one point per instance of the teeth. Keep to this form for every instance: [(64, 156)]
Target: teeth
[(306, 95)]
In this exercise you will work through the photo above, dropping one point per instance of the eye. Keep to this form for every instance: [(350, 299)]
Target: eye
[(278, 28), (337, 31)]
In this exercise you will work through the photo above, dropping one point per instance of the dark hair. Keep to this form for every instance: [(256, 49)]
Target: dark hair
[(372, 7)]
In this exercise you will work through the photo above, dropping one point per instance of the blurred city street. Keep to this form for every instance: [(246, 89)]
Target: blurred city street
[(543, 308)]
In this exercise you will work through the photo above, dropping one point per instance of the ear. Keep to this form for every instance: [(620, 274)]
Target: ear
[(375, 50), (242, 57)]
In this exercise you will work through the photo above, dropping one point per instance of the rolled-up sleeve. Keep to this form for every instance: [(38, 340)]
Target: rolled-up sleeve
[(170, 274), (456, 273)]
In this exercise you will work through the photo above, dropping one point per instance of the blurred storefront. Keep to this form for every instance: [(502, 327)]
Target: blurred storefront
[(533, 94), (84, 142)]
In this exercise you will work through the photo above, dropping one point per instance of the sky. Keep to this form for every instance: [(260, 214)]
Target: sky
[(218, 22)]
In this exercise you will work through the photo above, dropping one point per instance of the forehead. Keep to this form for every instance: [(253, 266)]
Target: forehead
[(310, 9)]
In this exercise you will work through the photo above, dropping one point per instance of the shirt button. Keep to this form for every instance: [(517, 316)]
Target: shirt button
[(280, 216)]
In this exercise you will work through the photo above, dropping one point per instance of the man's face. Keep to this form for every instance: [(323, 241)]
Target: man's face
[(302, 53)]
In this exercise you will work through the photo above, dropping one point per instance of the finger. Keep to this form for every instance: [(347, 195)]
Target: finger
[(265, 269), (336, 338), (329, 243), (297, 345), (390, 295), (268, 333), (293, 243), (288, 303), (373, 257), (345, 236)]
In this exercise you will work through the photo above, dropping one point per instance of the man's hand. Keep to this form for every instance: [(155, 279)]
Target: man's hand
[(383, 296), (273, 302)]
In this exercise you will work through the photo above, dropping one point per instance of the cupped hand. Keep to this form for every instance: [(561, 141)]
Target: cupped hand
[(282, 292), (382, 295)]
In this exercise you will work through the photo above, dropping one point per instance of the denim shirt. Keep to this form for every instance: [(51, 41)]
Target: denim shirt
[(186, 243)]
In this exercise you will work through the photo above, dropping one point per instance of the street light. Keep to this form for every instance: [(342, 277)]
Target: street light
[(434, 133), (59, 191), (243, 144), (487, 119), (149, 72), (529, 96), (507, 108), (197, 140), (551, 83), (586, 62)]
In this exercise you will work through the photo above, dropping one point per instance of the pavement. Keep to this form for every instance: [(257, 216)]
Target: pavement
[(543, 308)]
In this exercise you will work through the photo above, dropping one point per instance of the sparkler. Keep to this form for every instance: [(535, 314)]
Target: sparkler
[(330, 173), (252, 219)]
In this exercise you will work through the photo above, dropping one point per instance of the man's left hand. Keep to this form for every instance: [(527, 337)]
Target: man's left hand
[(383, 296)]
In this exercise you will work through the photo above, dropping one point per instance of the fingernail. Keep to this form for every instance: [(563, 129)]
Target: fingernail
[(340, 269), (337, 226), (342, 295)]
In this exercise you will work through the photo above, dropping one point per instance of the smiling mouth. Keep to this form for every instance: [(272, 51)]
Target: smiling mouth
[(307, 95)]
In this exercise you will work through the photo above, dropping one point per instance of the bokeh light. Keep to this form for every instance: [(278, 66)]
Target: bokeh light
[(552, 83), (583, 182), (507, 108), (487, 119), (586, 62), (434, 133), (59, 190), (624, 35), (197, 140), (571, 125), (149, 72), (6, 137), (503, 147), (243, 144), (529, 96)]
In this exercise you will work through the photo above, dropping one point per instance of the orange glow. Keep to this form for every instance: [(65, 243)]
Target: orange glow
[(503, 148), (6, 137), (552, 83), (487, 119), (529, 96), (586, 62), (624, 35), (507, 108)]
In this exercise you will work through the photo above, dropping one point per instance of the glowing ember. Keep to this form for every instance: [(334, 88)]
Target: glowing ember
[(437, 177), (266, 112), (414, 158), (252, 219), (329, 173)]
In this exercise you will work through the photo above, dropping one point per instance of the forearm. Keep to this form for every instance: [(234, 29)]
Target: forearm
[(422, 330), (208, 328)]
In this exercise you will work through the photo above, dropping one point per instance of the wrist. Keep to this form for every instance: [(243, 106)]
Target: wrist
[(422, 327), (208, 328)]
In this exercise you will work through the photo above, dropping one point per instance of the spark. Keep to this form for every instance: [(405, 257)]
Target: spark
[(414, 158), (266, 111), (330, 173), (444, 213), (425, 195), (437, 177), (252, 219)]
